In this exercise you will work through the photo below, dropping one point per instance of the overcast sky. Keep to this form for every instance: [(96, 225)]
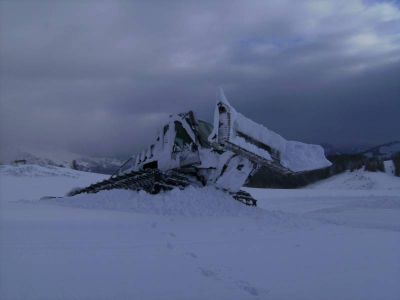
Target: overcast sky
[(99, 77)]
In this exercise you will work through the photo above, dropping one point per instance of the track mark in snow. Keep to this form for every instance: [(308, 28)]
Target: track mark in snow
[(170, 246), (241, 284), (250, 289), (191, 254), (154, 225), (209, 273)]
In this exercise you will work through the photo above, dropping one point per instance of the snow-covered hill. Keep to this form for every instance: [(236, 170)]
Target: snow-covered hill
[(359, 180), (384, 151), (33, 182), (103, 165), (357, 199), (310, 243)]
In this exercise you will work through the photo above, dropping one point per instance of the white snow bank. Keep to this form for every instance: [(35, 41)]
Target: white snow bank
[(389, 167), (58, 252), (192, 201), (352, 208), (359, 180), (299, 156), (37, 171), (32, 181)]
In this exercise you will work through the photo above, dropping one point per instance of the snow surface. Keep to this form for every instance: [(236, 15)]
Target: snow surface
[(389, 167), (314, 243), (360, 180), (57, 157)]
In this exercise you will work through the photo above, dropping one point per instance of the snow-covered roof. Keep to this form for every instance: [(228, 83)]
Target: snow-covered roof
[(258, 139)]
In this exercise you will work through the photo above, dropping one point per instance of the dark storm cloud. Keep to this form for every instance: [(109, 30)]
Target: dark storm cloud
[(100, 76)]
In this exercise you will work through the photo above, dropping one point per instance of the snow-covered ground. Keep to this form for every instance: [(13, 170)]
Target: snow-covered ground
[(338, 239)]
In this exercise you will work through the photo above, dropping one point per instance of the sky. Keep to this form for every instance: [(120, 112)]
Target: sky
[(100, 77)]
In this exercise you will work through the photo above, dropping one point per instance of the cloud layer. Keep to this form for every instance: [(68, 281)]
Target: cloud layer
[(100, 76)]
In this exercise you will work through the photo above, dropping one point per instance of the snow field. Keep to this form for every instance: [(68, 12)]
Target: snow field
[(195, 244)]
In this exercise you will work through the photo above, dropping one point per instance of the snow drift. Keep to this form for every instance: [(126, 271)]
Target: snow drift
[(192, 201), (299, 244)]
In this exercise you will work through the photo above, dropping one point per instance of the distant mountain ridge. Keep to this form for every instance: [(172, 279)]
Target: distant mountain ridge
[(343, 159), (102, 165), (336, 150), (383, 151)]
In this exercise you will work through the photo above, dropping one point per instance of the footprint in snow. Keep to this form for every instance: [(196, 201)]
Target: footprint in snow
[(170, 246), (247, 287), (170, 234), (208, 273), (191, 254), (154, 225)]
